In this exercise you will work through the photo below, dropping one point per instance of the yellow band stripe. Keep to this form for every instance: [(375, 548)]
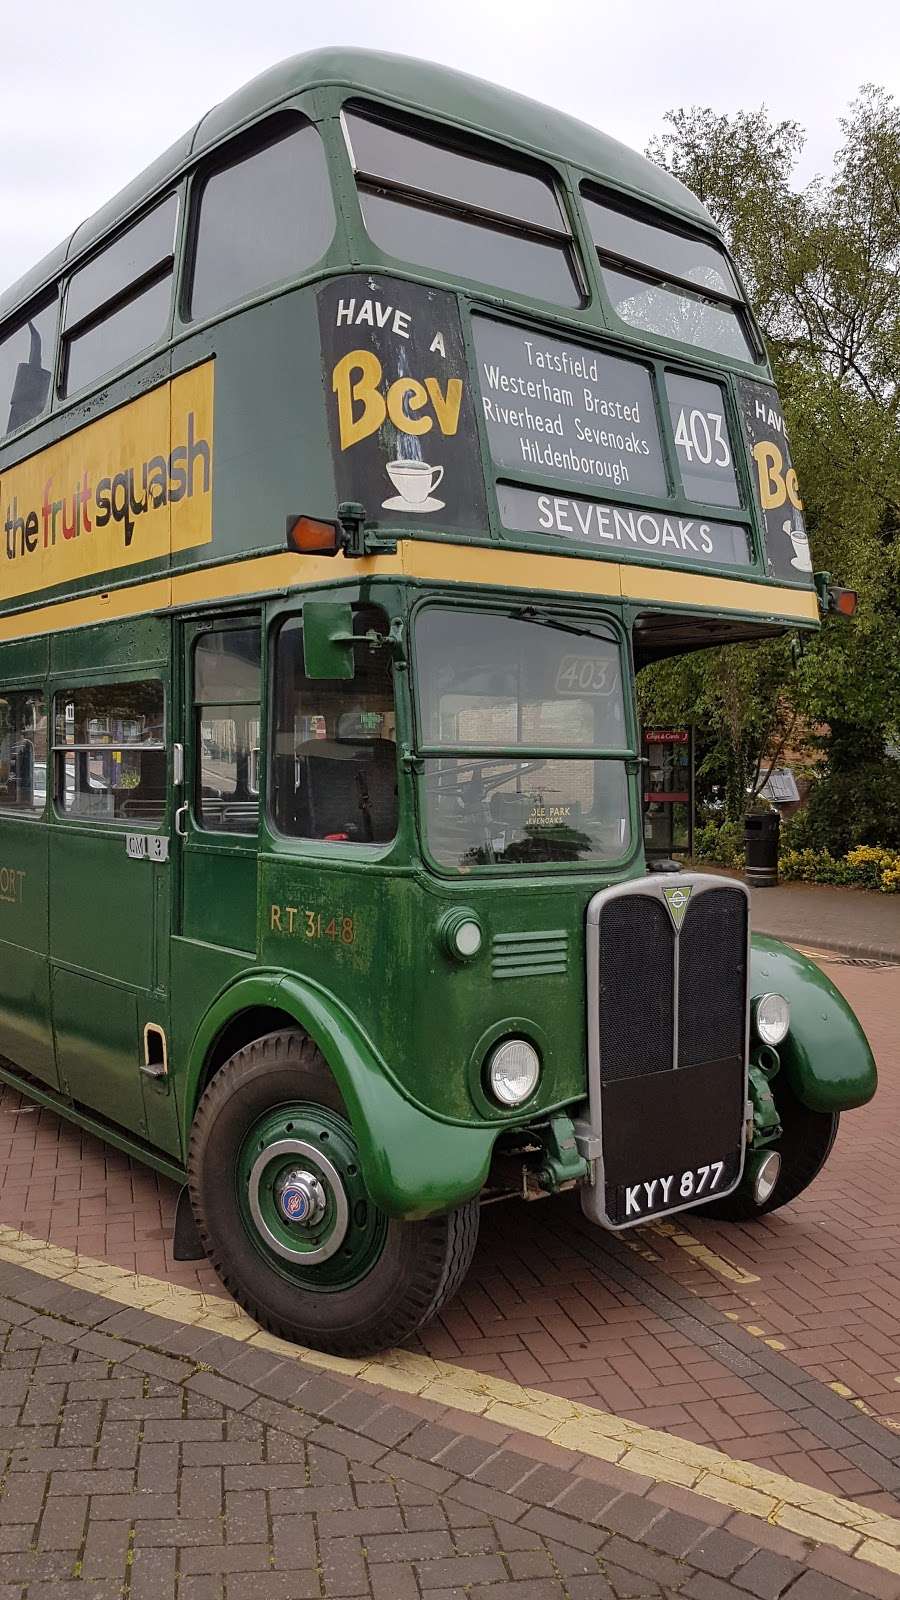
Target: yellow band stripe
[(428, 561)]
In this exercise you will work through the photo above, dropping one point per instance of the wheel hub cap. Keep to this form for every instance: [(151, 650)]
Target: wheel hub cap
[(302, 1203), (301, 1198)]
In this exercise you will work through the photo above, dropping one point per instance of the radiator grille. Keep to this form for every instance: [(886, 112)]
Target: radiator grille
[(637, 1017), (667, 1016), (712, 978)]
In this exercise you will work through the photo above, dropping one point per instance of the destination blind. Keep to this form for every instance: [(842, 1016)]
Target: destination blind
[(562, 410)]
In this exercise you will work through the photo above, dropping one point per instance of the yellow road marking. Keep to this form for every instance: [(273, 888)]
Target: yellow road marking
[(867, 1411), (719, 1264), (843, 1524)]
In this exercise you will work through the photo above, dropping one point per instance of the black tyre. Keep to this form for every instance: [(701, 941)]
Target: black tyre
[(805, 1145), (283, 1213)]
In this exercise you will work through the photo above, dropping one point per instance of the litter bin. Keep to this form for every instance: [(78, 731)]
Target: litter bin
[(761, 841)]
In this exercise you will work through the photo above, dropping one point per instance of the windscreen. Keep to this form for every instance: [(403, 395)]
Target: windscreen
[(523, 731)]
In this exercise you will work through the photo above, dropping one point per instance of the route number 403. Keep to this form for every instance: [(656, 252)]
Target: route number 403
[(702, 434)]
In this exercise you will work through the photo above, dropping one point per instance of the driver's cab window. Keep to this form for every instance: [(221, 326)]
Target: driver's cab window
[(226, 721), (334, 758)]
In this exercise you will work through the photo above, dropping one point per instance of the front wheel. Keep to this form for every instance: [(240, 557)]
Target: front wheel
[(284, 1216), (806, 1141)]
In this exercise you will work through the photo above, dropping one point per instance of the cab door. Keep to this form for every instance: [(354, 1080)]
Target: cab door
[(217, 819)]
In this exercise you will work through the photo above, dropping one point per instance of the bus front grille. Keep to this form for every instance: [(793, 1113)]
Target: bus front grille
[(667, 980)]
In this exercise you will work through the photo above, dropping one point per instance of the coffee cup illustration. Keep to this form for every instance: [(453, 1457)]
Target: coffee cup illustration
[(796, 532), (415, 483)]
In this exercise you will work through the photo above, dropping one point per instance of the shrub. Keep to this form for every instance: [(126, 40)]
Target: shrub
[(721, 842), (866, 867)]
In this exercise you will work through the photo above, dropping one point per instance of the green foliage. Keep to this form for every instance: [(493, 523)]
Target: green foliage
[(822, 268), (863, 868), (722, 843), (866, 867)]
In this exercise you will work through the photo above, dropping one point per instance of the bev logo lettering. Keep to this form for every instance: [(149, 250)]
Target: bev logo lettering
[(412, 406)]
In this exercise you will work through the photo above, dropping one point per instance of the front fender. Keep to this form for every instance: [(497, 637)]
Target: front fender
[(826, 1056), (413, 1164)]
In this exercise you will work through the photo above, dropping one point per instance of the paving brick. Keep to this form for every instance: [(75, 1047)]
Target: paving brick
[(550, 1525), (222, 1390), (152, 1574), (294, 1541), (62, 1523), (720, 1553), (816, 1586), (342, 1567), (275, 1586), (460, 1570), (482, 1498), (630, 1515), (766, 1575), (106, 1550)]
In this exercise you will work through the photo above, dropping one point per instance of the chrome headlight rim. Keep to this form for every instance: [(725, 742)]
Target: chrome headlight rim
[(493, 1064), (773, 1029)]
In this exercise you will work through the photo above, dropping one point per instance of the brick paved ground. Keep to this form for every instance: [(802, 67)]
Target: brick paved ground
[(858, 922), (559, 1305), (140, 1461)]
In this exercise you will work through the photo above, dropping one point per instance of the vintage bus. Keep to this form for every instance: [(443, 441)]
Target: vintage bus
[(352, 462)]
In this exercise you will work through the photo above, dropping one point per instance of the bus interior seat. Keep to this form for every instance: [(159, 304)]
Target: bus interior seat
[(347, 787), (148, 800)]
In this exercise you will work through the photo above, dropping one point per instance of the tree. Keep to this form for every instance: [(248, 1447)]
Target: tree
[(821, 266)]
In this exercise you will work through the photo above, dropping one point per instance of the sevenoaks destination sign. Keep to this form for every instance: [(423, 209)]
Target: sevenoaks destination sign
[(577, 415)]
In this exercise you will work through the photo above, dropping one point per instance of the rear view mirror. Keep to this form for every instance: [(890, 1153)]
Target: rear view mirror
[(328, 639)]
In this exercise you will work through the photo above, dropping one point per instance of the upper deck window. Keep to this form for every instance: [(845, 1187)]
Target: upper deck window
[(463, 213), (26, 367), (677, 285), (265, 216), (118, 304)]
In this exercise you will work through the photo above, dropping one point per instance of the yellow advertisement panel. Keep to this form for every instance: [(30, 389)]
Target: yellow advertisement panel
[(133, 486)]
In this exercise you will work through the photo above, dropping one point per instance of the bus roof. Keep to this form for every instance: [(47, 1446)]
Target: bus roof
[(511, 118)]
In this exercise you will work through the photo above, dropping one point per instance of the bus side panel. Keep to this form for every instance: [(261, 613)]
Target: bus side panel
[(25, 1035), (26, 1038)]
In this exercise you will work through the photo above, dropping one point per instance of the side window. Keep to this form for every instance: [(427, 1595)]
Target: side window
[(334, 743), (109, 751), (677, 285), (468, 214), (23, 750), (118, 304), (226, 723), (26, 367), (266, 216)]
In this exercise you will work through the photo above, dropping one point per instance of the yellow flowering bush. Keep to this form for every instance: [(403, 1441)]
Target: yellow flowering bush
[(865, 867)]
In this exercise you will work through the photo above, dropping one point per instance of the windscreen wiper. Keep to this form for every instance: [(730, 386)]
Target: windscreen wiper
[(534, 614)]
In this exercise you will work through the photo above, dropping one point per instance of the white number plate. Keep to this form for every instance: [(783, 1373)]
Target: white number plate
[(675, 1189)]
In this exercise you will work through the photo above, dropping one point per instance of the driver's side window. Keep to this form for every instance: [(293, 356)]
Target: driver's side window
[(334, 754)]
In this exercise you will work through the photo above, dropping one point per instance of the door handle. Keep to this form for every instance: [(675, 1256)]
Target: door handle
[(179, 815)]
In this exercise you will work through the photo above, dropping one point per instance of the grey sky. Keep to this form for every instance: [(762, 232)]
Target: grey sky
[(93, 91)]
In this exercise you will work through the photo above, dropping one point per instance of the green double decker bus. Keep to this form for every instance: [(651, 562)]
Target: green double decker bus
[(353, 461)]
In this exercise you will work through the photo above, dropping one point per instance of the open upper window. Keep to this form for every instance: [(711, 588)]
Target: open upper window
[(662, 281), (27, 351), (462, 211), (117, 305), (265, 215)]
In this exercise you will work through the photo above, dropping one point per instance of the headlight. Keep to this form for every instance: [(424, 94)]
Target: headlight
[(513, 1071), (460, 932), (772, 1017)]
